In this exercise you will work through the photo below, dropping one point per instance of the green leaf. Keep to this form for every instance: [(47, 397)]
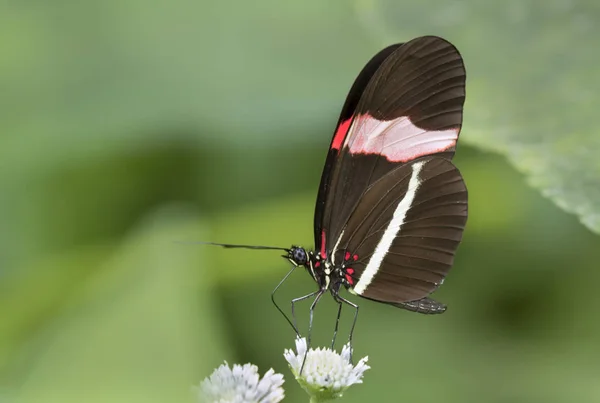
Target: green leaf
[(532, 84)]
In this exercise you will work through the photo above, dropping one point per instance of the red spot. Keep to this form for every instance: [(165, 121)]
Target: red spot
[(317, 264), (323, 243), (347, 256), (355, 257), (349, 278), (350, 270), (340, 134)]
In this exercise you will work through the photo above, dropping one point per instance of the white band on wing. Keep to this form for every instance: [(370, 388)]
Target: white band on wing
[(398, 140), (391, 231)]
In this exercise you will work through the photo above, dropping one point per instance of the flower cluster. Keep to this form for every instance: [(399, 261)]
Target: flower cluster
[(322, 372), (242, 384), (326, 374)]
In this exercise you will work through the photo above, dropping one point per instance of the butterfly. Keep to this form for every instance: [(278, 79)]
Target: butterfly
[(391, 207)]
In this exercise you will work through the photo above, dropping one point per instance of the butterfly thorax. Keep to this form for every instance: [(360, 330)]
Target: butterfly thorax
[(326, 274)]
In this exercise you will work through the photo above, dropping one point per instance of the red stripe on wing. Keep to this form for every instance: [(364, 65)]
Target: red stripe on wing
[(340, 134), (323, 245)]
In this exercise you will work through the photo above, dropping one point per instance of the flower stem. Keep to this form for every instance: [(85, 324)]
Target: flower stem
[(318, 399)]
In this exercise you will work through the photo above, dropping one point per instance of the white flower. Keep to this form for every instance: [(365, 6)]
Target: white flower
[(326, 374), (242, 384)]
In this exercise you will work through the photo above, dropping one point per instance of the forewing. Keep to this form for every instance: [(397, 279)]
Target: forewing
[(341, 129), (410, 108)]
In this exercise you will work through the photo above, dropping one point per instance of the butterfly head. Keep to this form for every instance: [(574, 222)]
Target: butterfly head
[(297, 255)]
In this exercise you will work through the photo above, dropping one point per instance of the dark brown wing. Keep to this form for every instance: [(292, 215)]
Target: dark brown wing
[(341, 129), (404, 231), (410, 108)]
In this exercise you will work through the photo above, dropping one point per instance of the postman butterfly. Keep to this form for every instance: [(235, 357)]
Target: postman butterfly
[(391, 207)]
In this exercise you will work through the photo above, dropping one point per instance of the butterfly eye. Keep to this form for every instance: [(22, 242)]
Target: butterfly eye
[(298, 255)]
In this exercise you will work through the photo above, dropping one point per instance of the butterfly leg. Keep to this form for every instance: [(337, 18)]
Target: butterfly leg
[(337, 322), (319, 294), (278, 307), (353, 305), (295, 324)]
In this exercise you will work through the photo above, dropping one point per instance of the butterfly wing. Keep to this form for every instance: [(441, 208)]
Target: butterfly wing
[(411, 106), (401, 239), (341, 131)]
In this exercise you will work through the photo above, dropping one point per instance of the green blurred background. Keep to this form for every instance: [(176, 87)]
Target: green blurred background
[(128, 125)]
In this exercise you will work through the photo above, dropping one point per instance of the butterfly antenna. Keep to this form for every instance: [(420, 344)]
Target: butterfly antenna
[(231, 246)]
